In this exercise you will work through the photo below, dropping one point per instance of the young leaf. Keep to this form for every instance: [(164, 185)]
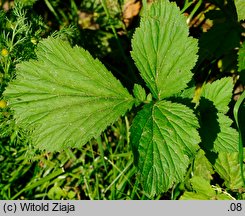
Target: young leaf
[(220, 93), (163, 137), (66, 97), (162, 50), (139, 93), (228, 167)]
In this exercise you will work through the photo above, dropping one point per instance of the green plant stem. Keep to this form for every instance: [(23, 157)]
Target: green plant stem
[(117, 40), (194, 11), (92, 151), (74, 10), (236, 115), (135, 188), (49, 5), (100, 144), (127, 130), (121, 173), (88, 188), (186, 6)]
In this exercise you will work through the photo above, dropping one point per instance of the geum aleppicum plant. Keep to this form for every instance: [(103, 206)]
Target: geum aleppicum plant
[(65, 97)]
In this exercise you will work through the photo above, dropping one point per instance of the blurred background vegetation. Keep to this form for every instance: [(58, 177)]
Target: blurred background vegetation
[(102, 169)]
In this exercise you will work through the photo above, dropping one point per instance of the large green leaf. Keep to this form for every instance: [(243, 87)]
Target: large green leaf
[(66, 97), (162, 50), (163, 137), (240, 7)]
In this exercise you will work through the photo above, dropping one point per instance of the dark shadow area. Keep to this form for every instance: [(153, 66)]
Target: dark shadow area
[(219, 42), (209, 125), (242, 77), (211, 156)]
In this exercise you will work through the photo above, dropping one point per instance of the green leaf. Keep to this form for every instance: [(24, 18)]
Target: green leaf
[(149, 97), (202, 166), (241, 62), (228, 167), (139, 93), (162, 50), (216, 131), (66, 97), (240, 7), (188, 93), (164, 138), (202, 190), (220, 93), (56, 193), (241, 57), (228, 138)]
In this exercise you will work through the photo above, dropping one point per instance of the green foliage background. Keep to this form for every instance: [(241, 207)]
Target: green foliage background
[(104, 168)]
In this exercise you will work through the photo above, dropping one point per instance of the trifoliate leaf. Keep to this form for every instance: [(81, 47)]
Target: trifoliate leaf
[(163, 137), (240, 8), (66, 96), (228, 167), (162, 50), (139, 93), (202, 190), (220, 93)]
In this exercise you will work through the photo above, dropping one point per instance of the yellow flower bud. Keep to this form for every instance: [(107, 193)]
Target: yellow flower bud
[(34, 41), (4, 52), (3, 104)]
